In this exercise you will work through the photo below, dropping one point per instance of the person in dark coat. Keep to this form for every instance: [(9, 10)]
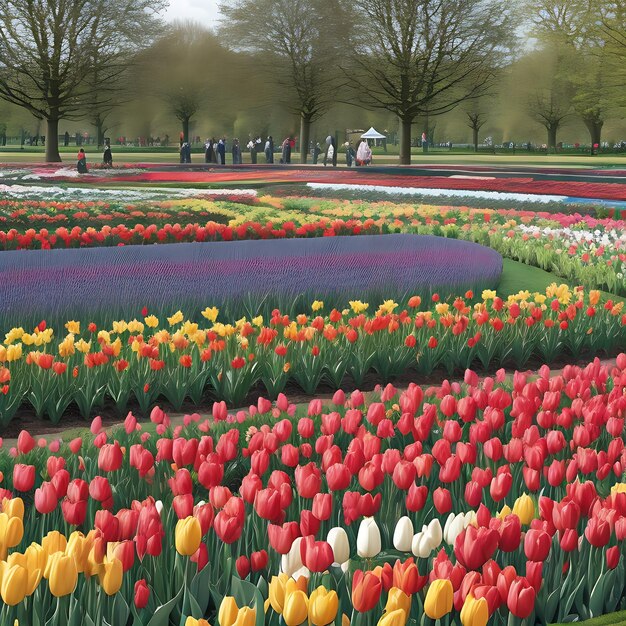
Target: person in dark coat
[(208, 151), (107, 156), (252, 147), (317, 150), (66, 139), (188, 153), (81, 162), (221, 151), (350, 154), (236, 151)]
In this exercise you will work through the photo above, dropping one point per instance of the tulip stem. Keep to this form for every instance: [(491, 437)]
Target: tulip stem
[(183, 616)]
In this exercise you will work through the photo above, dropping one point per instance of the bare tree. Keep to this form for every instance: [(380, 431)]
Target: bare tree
[(298, 42), (475, 120), (49, 50), (424, 57), (550, 109)]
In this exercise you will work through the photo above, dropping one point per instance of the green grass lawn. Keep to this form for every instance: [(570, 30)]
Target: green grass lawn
[(612, 619), (518, 277)]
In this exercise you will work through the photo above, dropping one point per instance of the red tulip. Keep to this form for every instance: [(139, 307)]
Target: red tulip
[(322, 506), (368, 505), (110, 457), (183, 505), (201, 557), (366, 590), (537, 545), (125, 552), (338, 477), (289, 455), (500, 486), (219, 496), (25, 442), (565, 515), (282, 537), (521, 598), (442, 499), (267, 505), (259, 560), (242, 564), (308, 480), (309, 524), (228, 523), (306, 427), (510, 533), (317, 556), (46, 499), (612, 557), (204, 514), (534, 574), (23, 477), (598, 532), (74, 512), (142, 594), (371, 476), (568, 540), (250, 484), (505, 579), (100, 490), (210, 474), (475, 546)]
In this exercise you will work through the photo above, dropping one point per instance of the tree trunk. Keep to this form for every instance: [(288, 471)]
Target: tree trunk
[(99, 124), (475, 133), (594, 126), (52, 141), (186, 130), (552, 137), (305, 135), (405, 141)]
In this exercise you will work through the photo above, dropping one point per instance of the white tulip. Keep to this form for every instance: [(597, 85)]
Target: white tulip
[(434, 533), (454, 527), (338, 540), (403, 535), (345, 566), (420, 546), (368, 543), (470, 519), (303, 571), (292, 561), (159, 506)]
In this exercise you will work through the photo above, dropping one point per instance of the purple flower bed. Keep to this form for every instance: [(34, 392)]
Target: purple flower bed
[(124, 279)]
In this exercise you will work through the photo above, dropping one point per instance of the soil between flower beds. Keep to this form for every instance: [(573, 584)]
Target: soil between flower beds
[(27, 420)]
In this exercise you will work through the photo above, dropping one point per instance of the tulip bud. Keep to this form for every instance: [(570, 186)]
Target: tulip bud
[(338, 540), (188, 535), (439, 598), (368, 542), (403, 535)]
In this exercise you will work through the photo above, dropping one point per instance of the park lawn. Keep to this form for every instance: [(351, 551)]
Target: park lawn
[(434, 157), (611, 619)]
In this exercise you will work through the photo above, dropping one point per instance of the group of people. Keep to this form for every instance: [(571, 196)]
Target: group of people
[(107, 158)]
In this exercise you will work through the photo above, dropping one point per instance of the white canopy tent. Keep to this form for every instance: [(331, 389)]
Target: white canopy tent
[(372, 133)]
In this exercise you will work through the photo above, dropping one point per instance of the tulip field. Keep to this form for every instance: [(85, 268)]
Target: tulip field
[(271, 406)]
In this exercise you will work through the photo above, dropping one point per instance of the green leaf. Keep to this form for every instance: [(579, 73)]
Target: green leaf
[(199, 588), (161, 616)]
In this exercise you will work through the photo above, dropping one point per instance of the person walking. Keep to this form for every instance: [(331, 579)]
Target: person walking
[(269, 150), (363, 153), (209, 151), (107, 156), (350, 154), (81, 162)]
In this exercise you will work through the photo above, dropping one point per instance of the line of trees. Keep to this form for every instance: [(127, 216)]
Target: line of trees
[(409, 60)]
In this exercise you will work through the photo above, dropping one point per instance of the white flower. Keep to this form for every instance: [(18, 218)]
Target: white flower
[(292, 561), (420, 546), (455, 524), (403, 535), (368, 542), (338, 540)]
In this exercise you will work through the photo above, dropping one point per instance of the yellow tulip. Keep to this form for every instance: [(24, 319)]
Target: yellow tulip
[(395, 618), (53, 542), (13, 507), (277, 592), (188, 535), (14, 586), (11, 532), (439, 599), (228, 611), (111, 576), (78, 548), (192, 621), (296, 608), (245, 617), (63, 575), (506, 510), (524, 508), (323, 606), (474, 612), (295, 585), (345, 620), (397, 599)]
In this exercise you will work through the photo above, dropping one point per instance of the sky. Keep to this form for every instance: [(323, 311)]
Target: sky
[(203, 11)]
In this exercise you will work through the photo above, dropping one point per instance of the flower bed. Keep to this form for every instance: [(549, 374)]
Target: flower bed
[(85, 282), (499, 499), (174, 358)]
